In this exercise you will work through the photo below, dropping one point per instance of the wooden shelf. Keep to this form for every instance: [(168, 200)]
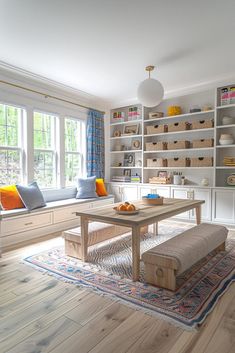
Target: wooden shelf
[(179, 132), (125, 167), (129, 151), (179, 116), (126, 122), (224, 167), (224, 126), (225, 146), (163, 168), (226, 106), (182, 150), (124, 137)]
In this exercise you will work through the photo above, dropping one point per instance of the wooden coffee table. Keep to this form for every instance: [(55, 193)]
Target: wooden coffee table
[(146, 216)]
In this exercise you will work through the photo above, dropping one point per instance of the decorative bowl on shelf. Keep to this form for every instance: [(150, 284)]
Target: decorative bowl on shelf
[(228, 120), (226, 139), (152, 200)]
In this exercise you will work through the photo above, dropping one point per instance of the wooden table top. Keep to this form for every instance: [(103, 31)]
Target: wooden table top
[(146, 215)]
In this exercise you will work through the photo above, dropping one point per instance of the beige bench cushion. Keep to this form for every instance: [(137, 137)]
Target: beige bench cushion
[(97, 232), (184, 250)]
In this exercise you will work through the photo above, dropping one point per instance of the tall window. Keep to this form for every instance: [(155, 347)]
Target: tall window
[(74, 147), (10, 144), (44, 150)]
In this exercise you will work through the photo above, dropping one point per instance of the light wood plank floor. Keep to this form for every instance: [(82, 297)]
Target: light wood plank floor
[(40, 314)]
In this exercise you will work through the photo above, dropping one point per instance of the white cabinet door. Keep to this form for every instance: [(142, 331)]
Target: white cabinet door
[(143, 191), (116, 191), (203, 194), (129, 193), (163, 191), (223, 206), (181, 193)]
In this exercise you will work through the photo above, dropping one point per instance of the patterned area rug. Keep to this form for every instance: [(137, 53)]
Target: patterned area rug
[(108, 271)]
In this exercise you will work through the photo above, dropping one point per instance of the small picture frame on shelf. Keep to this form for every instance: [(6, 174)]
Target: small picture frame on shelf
[(136, 145), (127, 172), (131, 129), (129, 160), (162, 174)]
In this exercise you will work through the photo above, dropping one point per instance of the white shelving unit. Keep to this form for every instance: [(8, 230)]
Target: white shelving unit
[(217, 174)]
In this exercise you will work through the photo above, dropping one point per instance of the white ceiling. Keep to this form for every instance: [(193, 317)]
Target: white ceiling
[(102, 46)]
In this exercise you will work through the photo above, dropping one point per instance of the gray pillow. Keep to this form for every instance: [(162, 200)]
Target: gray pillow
[(31, 196), (86, 188)]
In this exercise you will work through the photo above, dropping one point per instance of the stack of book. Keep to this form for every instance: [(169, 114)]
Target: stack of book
[(122, 178), (135, 179), (229, 161)]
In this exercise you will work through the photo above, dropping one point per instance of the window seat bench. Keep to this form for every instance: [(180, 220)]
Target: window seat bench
[(21, 225)]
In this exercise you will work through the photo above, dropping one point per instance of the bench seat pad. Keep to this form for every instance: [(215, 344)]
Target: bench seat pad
[(97, 232), (185, 249)]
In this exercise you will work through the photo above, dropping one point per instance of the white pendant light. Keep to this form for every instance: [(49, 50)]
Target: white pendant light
[(150, 91)]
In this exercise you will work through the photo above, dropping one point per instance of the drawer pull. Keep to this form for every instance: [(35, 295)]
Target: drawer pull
[(28, 224)]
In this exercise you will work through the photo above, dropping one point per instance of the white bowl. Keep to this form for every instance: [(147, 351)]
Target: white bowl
[(227, 120), (225, 142)]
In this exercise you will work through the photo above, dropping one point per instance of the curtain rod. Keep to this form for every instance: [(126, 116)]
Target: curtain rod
[(50, 96)]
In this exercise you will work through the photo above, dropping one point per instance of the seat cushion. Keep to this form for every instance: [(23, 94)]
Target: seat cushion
[(188, 247)]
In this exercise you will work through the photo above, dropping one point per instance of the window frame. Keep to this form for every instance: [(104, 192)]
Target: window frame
[(20, 147), (52, 150), (80, 152)]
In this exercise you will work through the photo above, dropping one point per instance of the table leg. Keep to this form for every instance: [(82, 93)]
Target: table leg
[(84, 237), (135, 253), (198, 214), (155, 228)]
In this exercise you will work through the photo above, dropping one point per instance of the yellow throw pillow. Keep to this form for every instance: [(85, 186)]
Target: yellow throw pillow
[(100, 188), (9, 198)]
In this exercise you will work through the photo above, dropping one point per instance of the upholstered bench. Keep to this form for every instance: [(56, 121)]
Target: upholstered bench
[(97, 232), (171, 258)]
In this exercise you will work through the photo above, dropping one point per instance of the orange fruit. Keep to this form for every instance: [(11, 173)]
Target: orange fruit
[(130, 208), (122, 207), (133, 206)]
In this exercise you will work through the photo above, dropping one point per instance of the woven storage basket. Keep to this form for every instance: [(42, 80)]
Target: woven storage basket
[(176, 145), (156, 162), (155, 129), (202, 124), (178, 162), (156, 146), (203, 143), (202, 162), (180, 126)]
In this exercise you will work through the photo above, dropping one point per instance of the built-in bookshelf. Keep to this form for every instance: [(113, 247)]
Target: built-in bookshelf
[(129, 135)]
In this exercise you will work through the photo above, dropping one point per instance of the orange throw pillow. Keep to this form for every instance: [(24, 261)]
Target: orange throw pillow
[(9, 198), (100, 188)]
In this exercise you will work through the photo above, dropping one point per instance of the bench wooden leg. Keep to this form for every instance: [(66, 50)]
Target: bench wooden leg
[(84, 237), (221, 247), (160, 276)]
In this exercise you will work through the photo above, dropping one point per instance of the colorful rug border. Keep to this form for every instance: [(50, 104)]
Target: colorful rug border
[(189, 326)]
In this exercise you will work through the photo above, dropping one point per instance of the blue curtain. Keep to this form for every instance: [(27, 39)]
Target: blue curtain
[(95, 144)]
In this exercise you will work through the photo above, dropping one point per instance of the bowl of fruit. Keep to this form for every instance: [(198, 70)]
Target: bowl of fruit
[(126, 208)]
